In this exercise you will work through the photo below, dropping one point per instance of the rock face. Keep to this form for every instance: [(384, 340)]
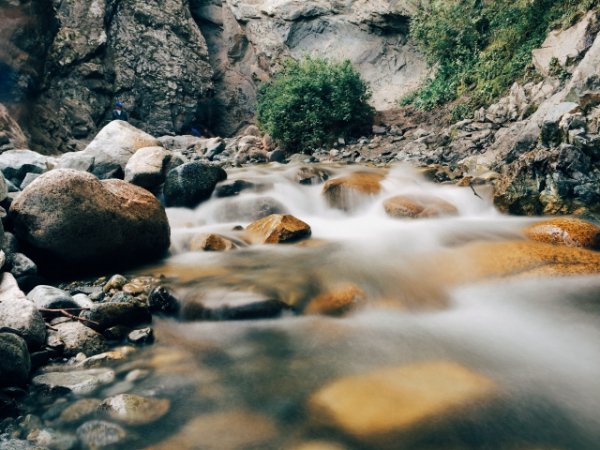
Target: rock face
[(191, 183), (11, 135), (75, 218), (401, 404), (568, 232), (277, 228), (14, 360)]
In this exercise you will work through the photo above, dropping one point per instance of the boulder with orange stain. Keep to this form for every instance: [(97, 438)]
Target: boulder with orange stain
[(395, 407), (353, 190), (418, 206), (336, 302), (565, 231), (276, 229)]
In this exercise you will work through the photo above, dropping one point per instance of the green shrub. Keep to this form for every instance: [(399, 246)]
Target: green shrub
[(312, 102), (481, 47)]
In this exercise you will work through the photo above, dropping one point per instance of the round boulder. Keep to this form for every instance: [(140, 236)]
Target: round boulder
[(191, 183), (14, 360), (75, 218)]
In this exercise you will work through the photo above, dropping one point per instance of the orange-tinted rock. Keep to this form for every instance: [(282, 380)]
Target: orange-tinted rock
[(277, 228), (336, 301), (353, 190), (400, 404), (211, 242), (221, 431), (418, 206), (565, 231)]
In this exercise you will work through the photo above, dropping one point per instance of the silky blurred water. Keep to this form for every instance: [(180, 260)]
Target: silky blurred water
[(538, 338)]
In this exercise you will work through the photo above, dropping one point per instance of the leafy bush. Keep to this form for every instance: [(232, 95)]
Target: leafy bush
[(481, 47), (312, 102)]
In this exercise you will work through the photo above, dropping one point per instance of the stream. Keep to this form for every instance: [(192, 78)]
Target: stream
[(245, 384)]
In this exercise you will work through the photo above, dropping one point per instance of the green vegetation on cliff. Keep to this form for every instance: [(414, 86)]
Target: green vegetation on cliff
[(312, 102), (481, 47)]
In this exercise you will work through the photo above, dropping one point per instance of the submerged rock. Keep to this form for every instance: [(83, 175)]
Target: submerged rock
[(141, 336), (418, 206), (191, 183), (79, 410), (160, 299), (76, 218), (97, 434), (221, 431), (14, 360), (311, 175), (52, 439), (400, 404), (231, 305), (234, 187), (351, 191), (117, 313), (277, 228), (211, 242), (135, 410), (337, 301), (249, 209), (565, 231)]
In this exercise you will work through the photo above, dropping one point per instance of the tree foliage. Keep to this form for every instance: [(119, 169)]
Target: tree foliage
[(312, 102), (481, 47)]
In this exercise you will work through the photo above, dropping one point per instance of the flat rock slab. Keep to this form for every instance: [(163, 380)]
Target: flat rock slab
[(565, 231), (82, 382), (400, 404)]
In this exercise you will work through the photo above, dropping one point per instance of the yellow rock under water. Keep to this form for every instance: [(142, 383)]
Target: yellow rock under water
[(418, 206), (565, 231), (394, 407), (337, 301), (232, 430), (488, 260), (211, 242)]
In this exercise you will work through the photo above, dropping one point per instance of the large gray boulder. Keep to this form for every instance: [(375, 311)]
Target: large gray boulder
[(146, 168), (191, 183), (22, 317), (15, 164), (14, 360), (73, 217), (114, 146)]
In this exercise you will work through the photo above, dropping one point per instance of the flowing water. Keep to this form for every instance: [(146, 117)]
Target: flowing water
[(539, 339)]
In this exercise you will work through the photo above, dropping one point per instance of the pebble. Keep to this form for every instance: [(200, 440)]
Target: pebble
[(115, 282), (100, 360), (141, 336), (49, 297), (81, 382)]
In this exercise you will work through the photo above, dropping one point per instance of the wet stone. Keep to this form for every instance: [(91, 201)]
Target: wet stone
[(277, 228), (17, 444), (135, 410), (100, 360), (569, 232), (249, 209), (234, 187), (160, 299), (22, 265), (231, 305), (124, 297), (78, 338), (115, 282), (51, 298), (95, 293), (111, 314), (133, 289), (141, 336), (79, 410), (351, 191), (117, 333), (23, 317), (81, 382), (311, 175), (191, 183), (211, 242), (98, 434), (52, 439), (418, 206), (15, 361), (336, 302)]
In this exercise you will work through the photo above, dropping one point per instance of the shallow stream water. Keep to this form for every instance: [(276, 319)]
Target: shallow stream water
[(247, 382)]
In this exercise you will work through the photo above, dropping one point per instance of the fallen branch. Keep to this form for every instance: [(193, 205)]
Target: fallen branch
[(69, 315), (476, 194), (50, 327)]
